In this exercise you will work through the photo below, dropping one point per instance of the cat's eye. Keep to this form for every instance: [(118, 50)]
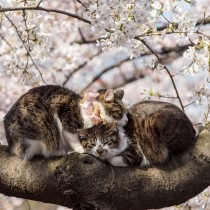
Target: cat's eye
[(90, 146), (108, 143), (83, 137)]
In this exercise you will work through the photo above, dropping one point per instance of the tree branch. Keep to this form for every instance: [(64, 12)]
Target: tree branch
[(167, 70), (7, 9), (79, 180)]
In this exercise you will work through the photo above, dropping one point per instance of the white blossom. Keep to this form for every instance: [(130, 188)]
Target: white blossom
[(198, 56)]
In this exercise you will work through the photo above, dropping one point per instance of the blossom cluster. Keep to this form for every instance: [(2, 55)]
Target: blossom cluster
[(25, 40), (120, 22), (198, 57)]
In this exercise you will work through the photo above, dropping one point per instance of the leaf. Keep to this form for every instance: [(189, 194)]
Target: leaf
[(151, 92), (188, 1)]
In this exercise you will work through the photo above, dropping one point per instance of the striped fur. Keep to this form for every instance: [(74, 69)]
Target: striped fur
[(154, 132), (44, 121)]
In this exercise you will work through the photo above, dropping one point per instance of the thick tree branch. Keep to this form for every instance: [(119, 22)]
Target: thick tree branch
[(78, 180)]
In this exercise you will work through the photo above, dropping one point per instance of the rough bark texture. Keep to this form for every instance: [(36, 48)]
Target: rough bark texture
[(84, 182)]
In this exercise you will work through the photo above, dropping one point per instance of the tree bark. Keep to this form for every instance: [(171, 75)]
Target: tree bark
[(81, 181)]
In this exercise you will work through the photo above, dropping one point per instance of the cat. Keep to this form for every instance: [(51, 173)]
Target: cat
[(154, 131), (44, 121)]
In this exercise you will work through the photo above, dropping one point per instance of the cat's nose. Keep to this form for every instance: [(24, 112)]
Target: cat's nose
[(100, 150)]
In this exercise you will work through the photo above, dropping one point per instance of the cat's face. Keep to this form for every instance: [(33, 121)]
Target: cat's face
[(101, 141), (111, 106)]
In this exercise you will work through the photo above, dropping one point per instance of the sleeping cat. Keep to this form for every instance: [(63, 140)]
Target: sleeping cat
[(155, 130), (44, 121)]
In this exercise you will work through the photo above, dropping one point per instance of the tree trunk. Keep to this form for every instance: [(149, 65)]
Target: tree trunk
[(81, 181)]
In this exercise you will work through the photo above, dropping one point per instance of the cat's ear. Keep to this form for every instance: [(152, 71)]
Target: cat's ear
[(82, 133), (118, 94), (111, 127), (109, 95)]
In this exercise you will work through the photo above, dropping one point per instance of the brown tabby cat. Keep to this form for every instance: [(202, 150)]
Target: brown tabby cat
[(44, 121), (155, 130)]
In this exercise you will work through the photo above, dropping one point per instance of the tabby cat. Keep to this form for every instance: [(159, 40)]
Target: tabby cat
[(44, 121), (155, 130)]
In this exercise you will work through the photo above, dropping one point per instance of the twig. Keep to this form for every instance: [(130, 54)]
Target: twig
[(189, 104), (39, 3), (28, 53), (82, 36), (169, 32), (7, 9), (174, 75), (171, 97), (82, 4), (204, 20), (161, 28), (167, 70), (26, 27), (166, 19)]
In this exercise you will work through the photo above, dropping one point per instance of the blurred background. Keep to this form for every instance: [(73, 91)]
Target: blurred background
[(64, 51)]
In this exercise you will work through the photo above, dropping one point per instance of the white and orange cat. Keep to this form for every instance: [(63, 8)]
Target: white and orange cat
[(44, 121)]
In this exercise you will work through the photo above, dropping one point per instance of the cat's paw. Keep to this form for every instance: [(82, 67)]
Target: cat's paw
[(117, 161), (61, 153), (79, 150), (70, 152)]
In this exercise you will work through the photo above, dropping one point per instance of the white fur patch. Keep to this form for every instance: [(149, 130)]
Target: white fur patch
[(35, 148), (145, 161), (94, 150), (68, 140), (123, 121), (123, 139), (59, 124), (64, 145), (74, 142), (117, 161), (108, 151)]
